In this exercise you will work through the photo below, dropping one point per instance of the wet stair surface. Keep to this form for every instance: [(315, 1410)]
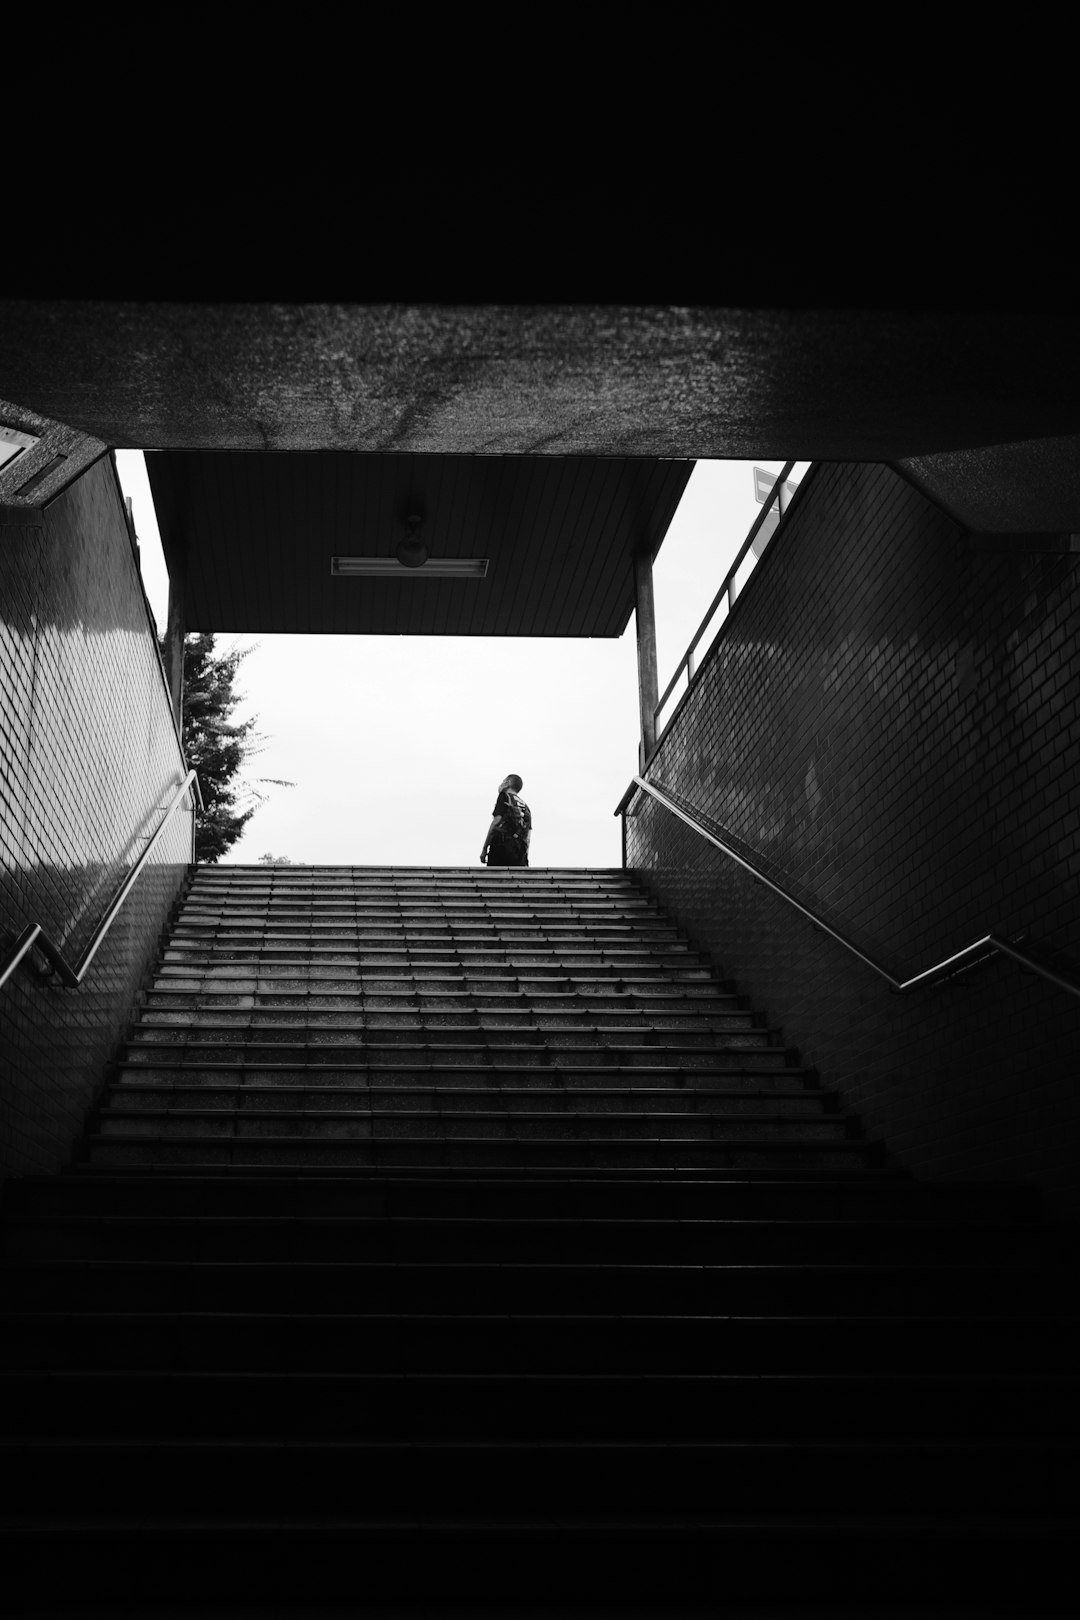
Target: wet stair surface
[(458, 1236)]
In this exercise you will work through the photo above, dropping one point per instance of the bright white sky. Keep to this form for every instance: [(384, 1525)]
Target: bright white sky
[(397, 744)]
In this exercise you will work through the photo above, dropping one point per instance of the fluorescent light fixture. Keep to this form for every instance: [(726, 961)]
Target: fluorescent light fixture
[(390, 567), (13, 442)]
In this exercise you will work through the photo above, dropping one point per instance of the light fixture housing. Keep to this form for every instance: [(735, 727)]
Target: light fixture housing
[(391, 567), (13, 443), (411, 550)]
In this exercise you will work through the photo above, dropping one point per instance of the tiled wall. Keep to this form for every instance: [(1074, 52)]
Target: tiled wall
[(888, 726), (88, 759)]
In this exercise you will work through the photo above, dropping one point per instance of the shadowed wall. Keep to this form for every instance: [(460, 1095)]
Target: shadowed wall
[(887, 727), (88, 756)]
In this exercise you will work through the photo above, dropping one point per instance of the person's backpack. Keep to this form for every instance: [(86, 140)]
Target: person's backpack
[(516, 821)]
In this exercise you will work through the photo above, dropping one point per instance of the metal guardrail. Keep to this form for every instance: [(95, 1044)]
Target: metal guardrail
[(34, 936), (986, 946), (777, 495)]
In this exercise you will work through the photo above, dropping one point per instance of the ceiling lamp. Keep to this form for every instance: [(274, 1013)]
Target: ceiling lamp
[(385, 567), (411, 556)]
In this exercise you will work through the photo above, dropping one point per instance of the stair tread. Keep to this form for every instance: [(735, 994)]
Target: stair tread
[(1040, 1523), (782, 1145), (361, 1445), (187, 1111), (680, 1175), (557, 1066), (822, 1381), (466, 1224), (287, 1018), (561, 1266), (671, 1319), (498, 1035), (150, 1088), (430, 1030)]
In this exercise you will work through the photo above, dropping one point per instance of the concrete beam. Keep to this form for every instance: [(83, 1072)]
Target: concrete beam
[(547, 380), (1023, 488)]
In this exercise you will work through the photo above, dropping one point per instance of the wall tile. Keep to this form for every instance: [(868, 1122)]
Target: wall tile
[(88, 756), (886, 727)]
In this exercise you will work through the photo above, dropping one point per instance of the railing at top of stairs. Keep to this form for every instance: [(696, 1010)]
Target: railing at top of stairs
[(986, 946), (35, 937)]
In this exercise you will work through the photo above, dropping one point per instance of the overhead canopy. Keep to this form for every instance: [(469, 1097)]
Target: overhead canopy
[(252, 534)]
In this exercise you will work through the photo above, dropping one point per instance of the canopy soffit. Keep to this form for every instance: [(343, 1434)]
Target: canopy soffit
[(252, 534)]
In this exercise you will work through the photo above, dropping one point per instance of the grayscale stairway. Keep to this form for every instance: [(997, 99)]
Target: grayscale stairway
[(461, 1237)]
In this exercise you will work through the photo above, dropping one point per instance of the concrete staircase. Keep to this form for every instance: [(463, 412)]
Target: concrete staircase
[(461, 1238)]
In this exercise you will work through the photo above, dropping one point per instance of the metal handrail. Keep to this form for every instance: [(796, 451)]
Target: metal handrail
[(986, 945), (34, 936), (687, 660)]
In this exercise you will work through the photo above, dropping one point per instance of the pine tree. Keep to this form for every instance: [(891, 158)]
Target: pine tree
[(216, 746)]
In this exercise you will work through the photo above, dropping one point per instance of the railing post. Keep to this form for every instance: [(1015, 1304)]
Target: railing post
[(645, 621)]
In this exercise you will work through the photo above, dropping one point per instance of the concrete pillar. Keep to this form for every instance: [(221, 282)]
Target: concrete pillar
[(648, 686), (173, 657)]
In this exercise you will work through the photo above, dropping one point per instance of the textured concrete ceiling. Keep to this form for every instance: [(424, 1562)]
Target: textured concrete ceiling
[(1006, 488), (797, 243), (544, 380)]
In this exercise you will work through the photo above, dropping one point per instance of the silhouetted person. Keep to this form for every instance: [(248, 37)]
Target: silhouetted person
[(507, 841)]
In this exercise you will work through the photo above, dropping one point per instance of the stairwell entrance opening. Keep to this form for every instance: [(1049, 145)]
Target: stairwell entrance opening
[(396, 742)]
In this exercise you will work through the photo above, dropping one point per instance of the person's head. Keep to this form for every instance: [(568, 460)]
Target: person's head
[(514, 783)]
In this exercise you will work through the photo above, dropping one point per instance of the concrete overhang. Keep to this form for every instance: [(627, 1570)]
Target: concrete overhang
[(249, 537), (544, 380), (1024, 489)]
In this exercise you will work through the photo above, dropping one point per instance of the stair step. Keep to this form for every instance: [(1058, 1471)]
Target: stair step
[(479, 924), (382, 1030), (384, 1051), (40, 1235), (691, 983), (971, 1211), (485, 930), (487, 966), (256, 1118), (685, 1564), (133, 1095), (525, 1342), (131, 1403), (178, 1002), (493, 939), (301, 1150), (580, 1021), (556, 1287), (501, 945), (728, 1075), (422, 1477), (625, 1173)]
